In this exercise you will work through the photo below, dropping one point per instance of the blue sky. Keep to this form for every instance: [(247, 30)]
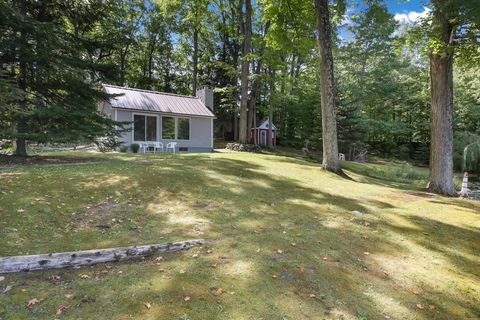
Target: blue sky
[(399, 6), (405, 12)]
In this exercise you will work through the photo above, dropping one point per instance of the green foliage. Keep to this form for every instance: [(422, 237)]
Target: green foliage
[(51, 87), (471, 158)]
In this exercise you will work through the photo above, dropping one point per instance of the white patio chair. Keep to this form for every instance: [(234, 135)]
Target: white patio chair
[(158, 146), (341, 157), (171, 146), (143, 147)]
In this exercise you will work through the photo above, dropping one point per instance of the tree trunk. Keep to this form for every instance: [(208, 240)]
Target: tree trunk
[(329, 121), (89, 257), (247, 39), (270, 107), (21, 145), (441, 113), (195, 62), (441, 125)]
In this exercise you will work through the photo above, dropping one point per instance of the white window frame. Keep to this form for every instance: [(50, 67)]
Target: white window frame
[(176, 128), (133, 126), (189, 128)]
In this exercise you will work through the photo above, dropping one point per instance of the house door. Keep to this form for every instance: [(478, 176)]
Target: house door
[(263, 137)]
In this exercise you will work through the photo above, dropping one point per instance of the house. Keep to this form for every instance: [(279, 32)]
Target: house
[(262, 133), (163, 117)]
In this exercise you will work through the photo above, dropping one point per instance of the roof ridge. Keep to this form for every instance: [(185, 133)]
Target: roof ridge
[(149, 91)]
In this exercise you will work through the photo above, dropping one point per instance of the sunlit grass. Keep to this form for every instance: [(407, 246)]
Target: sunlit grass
[(285, 244)]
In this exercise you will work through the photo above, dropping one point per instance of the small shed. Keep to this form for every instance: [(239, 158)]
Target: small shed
[(262, 133)]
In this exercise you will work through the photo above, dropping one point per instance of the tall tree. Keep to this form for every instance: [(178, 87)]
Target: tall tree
[(246, 33), (44, 57), (452, 20), (327, 89)]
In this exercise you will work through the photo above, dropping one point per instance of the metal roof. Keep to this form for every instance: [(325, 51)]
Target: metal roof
[(153, 101)]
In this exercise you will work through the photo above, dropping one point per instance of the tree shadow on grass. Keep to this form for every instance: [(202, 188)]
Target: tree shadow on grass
[(253, 215)]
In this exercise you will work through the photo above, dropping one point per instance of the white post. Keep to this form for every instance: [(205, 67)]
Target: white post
[(464, 191)]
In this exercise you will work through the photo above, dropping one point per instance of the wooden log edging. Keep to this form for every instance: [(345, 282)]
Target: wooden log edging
[(89, 257)]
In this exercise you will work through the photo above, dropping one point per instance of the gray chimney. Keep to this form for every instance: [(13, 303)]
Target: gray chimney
[(206, 96)]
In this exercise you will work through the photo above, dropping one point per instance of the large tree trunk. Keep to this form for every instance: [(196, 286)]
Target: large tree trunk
[(195, 62), (441, 116), (21, 144), (247, 39), (329, 121)]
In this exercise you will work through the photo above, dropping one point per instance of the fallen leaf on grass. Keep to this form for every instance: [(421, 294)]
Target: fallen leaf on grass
[(432, 307), (195, 255), (366, 253), (147, 305), (21, 210), (420, 306), (186, 298), (69, 295), (60, 309), (274, 276), (216, 291), (293, 244), (311, 295), (84, 276), (7, 289), (415, 291), (279, 251), (32, 302)]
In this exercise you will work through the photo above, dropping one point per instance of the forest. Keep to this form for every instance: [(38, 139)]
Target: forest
[(261, 58)]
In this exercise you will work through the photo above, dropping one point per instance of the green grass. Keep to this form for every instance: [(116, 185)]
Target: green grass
[(409, 248)]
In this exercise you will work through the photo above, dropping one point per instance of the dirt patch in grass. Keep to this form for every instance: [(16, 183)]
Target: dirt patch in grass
[(14, 161), (101, 215)]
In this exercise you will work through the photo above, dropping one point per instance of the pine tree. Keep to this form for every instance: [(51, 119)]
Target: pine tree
[(44, 59)]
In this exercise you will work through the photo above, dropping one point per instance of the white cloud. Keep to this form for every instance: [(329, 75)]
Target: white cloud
[(411, 17)]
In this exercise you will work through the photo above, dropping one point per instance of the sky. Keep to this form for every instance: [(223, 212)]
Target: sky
[(404, 11)]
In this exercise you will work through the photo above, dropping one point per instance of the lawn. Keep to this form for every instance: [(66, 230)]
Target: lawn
[(289, 241)]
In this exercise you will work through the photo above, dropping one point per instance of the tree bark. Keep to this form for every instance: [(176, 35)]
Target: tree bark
[(441, 113), (329, 121), (195, 62), (89, 257), (246, 31), (270, 107), (21, 144)]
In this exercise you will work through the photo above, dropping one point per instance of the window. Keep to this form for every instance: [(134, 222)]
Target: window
[(183, 128), (168, 128), (144, 128)]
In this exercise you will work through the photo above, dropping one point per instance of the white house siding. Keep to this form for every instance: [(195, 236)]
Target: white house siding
[(201, 134)]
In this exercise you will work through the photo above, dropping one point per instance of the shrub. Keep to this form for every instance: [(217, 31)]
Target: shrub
[(135, 147), (471, 158), (405, 173), (123, 149)]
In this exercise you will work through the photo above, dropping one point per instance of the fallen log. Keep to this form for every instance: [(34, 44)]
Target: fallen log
[(89, 257)]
